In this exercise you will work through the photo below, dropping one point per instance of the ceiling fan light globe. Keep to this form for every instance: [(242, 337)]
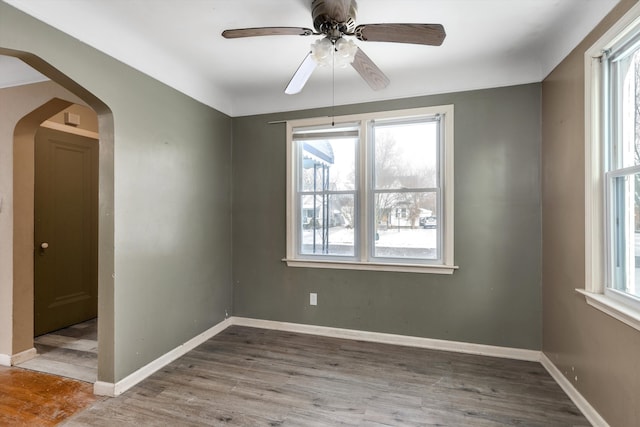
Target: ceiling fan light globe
[(346, 49), (321, 51)]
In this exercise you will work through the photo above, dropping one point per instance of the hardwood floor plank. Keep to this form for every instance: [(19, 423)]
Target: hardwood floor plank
[(255, 377), (35, 399)]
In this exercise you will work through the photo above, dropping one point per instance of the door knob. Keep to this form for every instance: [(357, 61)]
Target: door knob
[(44, 245)]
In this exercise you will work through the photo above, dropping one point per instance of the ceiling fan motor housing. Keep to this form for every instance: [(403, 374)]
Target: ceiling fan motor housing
[(334, 18)]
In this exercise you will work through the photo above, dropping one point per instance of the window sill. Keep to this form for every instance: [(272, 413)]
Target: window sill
[(345, 265), (613, 308)]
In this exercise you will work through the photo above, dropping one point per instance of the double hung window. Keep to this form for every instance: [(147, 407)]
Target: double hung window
[(612, 171), (372, 191), (622, 167)]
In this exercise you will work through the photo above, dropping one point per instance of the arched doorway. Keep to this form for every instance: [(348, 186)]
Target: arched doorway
[(61, 153), (20, 329)]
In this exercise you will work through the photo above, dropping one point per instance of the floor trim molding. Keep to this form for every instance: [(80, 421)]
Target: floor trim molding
[(102, 388), (23, 356), (410, 341), (16, 359), (585, 407)]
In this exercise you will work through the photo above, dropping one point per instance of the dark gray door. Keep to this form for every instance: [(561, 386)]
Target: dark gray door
[(66, 230)]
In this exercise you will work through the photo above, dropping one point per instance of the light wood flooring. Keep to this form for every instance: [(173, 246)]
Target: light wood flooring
[(256, 377), (71, 352)]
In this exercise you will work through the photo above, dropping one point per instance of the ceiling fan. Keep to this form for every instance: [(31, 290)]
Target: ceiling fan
[(335, 19)]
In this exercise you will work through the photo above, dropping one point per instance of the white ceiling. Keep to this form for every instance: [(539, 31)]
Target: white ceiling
[(14, 72), (489, 43)]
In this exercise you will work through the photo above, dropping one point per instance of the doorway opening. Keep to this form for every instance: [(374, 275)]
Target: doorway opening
[(65, 241), (46, 103)]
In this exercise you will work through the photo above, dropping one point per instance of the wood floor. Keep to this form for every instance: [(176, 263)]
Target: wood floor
[(34, 399), (70, 352), (256, 377)]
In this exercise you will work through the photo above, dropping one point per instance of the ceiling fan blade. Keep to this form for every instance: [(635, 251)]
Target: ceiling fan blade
[(301, 75), (266, 31), (429, 34), (369, 71)]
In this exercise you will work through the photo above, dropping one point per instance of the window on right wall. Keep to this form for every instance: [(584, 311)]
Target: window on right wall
[(612, 191), (622, 168)]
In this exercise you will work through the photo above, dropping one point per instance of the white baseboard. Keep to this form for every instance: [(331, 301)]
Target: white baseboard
[(110, 389), (585, 407), (16, 359), (23, 356), (409, 341)]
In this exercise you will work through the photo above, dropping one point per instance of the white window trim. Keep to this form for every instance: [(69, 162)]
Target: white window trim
[(595, 236), (447, 266)]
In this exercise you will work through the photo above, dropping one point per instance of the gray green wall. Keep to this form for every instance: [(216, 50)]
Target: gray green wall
[(165, 198), (597, 353), (495, 296)]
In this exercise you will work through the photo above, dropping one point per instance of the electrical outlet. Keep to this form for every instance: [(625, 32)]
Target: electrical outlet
[(313, 298)]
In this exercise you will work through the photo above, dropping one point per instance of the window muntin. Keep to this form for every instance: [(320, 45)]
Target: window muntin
[(370, 190)]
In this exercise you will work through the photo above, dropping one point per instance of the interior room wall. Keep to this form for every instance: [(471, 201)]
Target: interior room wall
[(597, 353), (171, 216), (495, 296)]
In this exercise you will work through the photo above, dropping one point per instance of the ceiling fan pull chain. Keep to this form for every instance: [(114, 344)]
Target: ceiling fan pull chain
[(333, 85)]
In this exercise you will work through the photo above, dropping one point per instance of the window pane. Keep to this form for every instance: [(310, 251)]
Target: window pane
[(406, 225), (627, 150), (328, 165), (406, 155), (626, 234), (327, 224)]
